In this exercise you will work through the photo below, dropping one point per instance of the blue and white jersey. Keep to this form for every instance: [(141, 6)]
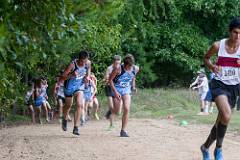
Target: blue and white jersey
[(88, 92), (81, 71), (89, 87), (60, 90), (43, 92), (28, 96), (124, 79), (75, 82)]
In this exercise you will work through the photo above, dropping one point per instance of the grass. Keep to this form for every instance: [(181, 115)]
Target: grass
[(181, 103), (159, 103), (17, 118)]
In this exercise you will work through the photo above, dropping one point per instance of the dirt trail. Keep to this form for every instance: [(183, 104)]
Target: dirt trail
[(150, 140)]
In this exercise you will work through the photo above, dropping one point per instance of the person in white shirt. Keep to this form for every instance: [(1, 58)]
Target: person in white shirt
[(201, 84)]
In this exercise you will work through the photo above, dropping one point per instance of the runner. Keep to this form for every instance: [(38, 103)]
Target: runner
[(108, 90), (58, 94), (39, 101), (208, 97), (224, 86), (121, 80), (89, 93), (95, 100), (76, 74), (44, 88), (29, 102)]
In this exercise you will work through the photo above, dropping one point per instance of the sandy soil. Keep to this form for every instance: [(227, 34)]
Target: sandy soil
[(150, 140)]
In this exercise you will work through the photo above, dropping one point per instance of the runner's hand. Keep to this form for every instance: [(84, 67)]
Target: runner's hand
[(117, 95), (86, 79), (75, 74), (91, 98), (134, 90), (215, 69)]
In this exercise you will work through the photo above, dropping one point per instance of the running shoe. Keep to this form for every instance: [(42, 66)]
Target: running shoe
[(96, 116), (47, 120), (123, 134), (110, 128), (40, 121), (64, 124), (108, 114), (60, 119), (88, 112), (218, 154), (205, 153), (76, 131), (82, 121)]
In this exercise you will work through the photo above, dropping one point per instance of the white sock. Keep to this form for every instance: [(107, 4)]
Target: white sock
[(211, 110), (206, 109)]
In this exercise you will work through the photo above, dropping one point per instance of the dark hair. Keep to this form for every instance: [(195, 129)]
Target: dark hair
[(29, 83), (235, 23), (83, 55), (61, 72), (44, 78), (37, 82), (128, 60)]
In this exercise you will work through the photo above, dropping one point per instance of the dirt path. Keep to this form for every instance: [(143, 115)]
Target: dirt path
[(150, 140)]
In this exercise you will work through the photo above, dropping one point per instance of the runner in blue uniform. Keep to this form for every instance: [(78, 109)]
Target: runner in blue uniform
[(121, 80), (76, 75)]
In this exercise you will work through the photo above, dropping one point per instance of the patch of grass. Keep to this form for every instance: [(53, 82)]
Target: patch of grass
[(181, 103), (17, 118), (159, 103)]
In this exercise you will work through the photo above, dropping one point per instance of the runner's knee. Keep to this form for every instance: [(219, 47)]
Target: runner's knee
[(226, 117)]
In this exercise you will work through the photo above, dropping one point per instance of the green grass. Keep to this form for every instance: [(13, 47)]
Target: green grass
[(181, 103), (159, 103), (17, 118)]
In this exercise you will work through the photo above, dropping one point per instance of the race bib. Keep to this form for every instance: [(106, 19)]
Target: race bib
[(124, 84), (229, 73), (79, 77)]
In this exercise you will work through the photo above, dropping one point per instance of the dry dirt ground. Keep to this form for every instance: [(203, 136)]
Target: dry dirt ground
[(150, 140)]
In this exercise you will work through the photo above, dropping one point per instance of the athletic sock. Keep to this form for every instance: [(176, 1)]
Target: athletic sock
[(221, 130), (211, 138), (211, 110), (206, 109)]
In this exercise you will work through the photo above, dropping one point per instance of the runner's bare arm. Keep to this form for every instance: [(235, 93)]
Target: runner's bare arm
[(212, 50), (66, 72), (106, 76), (94, 89), (54, 90), (134, 79), (86, 77), (89, 68), (36, 92), (114, 73), (95, 80)]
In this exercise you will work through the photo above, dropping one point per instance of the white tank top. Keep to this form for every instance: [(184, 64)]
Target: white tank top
[(229, 65), (60, 91)]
